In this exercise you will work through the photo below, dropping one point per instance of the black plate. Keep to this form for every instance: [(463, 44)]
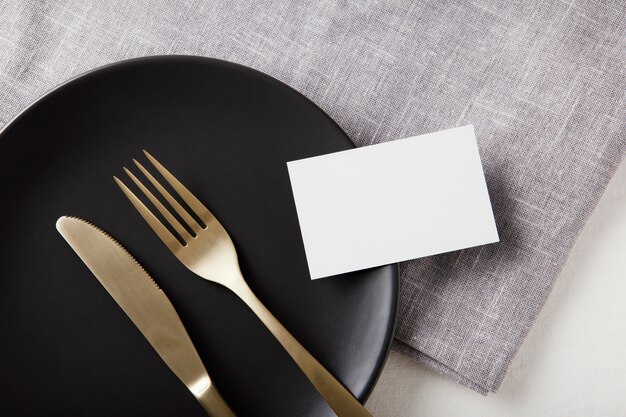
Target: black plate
[(226, 132)]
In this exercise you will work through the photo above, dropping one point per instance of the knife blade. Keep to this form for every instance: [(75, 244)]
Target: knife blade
[(146, 305)]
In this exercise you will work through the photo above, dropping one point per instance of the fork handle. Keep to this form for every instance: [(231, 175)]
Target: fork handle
[(343, 403)]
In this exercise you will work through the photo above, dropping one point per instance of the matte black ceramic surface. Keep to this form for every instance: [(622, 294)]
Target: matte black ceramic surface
[(226, 132)]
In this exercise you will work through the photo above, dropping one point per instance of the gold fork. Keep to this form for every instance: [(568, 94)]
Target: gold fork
[(212, 255)]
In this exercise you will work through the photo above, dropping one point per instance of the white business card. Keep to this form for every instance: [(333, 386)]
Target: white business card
[(392, 202)]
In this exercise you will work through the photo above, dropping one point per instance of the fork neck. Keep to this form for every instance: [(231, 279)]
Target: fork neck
[(239, 286)]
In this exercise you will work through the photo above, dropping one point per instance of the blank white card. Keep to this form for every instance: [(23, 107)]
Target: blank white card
[(392, 202)]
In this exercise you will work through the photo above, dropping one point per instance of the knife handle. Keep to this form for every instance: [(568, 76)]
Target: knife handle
[(213, 403), (343, 403)]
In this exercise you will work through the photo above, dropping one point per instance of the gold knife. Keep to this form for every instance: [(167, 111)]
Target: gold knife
[(146, 305)]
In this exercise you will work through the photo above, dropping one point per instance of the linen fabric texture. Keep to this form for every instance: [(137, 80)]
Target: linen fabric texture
[(543, 83)]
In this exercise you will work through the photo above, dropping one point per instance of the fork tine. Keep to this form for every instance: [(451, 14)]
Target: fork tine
[(191, 222), (201, 211), (162, 209), (166, 236)]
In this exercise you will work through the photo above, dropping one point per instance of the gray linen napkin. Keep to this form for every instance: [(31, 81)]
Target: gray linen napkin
[(543, 82)]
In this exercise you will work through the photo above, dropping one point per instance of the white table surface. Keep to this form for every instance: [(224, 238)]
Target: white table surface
[(573, 362)]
